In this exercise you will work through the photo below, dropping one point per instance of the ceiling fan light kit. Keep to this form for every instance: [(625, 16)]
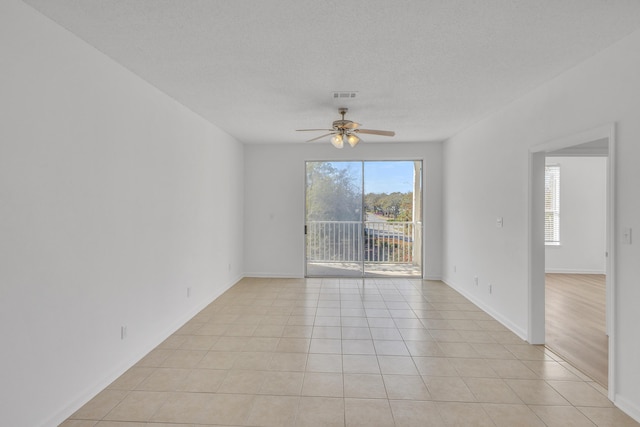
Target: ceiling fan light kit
[(346, 130), (337, 141), (353, 140)]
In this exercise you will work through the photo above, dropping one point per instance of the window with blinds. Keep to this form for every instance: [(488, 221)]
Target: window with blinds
[(552, 205)]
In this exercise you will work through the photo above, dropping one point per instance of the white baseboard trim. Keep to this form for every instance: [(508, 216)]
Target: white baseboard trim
[(90, 392), (572, 271), (293, 276), (273, 275), (497, 316), (627, 407)]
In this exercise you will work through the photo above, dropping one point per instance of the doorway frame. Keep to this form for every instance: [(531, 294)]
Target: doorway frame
[(536, 261)]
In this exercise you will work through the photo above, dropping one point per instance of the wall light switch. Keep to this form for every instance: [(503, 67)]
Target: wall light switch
[(626, 235), (499, 222)]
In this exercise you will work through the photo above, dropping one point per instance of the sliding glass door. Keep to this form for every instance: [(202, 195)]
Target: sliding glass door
[(392, 201), (334, 219), (363, 219)]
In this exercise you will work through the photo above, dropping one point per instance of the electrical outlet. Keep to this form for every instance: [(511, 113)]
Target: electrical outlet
[(626, 235), (123, 332), (229, 268), (490, 288), (188, 292), (475, 280), (455, 268)]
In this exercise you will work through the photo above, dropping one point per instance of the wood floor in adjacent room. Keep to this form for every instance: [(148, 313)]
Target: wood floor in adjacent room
[(575, 321)]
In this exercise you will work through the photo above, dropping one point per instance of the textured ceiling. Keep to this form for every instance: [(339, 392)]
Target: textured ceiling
[(259, 69)]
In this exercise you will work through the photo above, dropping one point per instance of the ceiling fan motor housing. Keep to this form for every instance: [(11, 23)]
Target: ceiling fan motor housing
[(341, 124)]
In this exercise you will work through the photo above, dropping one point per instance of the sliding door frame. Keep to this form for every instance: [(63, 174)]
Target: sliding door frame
[(418, 224)]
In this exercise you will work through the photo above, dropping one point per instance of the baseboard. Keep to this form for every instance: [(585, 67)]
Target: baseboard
[(497, 316), (293, 276), (273, 275), (571, 271), (91, 391), (627, 407)]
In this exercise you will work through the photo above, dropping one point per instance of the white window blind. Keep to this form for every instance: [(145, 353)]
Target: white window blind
[(552, 204)]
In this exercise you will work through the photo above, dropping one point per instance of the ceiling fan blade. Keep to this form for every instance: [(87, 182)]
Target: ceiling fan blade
[(309, 130), (376, 132), (351, 125), (321, 136)]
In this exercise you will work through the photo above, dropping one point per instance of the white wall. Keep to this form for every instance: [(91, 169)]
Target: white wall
[(114, 199), (274, 201), (583, 202), (477, 189)]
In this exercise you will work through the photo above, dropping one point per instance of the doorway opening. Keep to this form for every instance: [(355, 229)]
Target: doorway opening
[(571, 307), (363, 219), (575, 261)]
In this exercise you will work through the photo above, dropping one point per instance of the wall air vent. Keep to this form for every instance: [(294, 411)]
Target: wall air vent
[(344, 95)]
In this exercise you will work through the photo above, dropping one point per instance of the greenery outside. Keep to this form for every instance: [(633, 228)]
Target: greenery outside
[(334, 194)]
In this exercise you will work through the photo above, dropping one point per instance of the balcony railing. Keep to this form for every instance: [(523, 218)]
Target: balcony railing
[(355, 241)]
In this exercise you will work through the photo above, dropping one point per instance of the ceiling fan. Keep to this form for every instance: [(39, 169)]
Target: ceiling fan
[(346, 130)]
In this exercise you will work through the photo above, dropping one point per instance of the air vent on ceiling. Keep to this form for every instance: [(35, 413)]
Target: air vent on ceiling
[(344, 95)]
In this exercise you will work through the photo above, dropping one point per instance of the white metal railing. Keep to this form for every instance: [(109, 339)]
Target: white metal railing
[(356, 241)]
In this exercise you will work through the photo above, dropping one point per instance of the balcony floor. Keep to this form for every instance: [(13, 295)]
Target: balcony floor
[(353, 269)]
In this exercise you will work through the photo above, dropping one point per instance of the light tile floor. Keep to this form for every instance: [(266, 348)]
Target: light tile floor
[(337, 352)]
